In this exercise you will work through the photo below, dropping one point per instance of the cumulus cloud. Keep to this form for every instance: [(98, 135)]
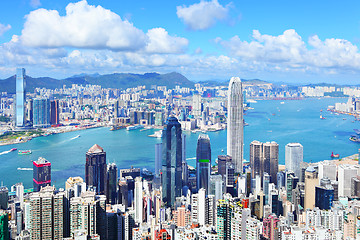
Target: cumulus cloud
[(4, 28), (161, 42), (84, 26), (203, 15), (289, 51)]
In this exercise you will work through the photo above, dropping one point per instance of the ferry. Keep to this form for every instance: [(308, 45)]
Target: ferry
[(129, 128), (156, 134), (13, 149), (24, 152), (116, 127), (334, 155), (354, 138), (321, 117)]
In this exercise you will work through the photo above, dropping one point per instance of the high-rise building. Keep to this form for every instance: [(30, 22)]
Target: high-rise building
[(171, 161), (138, 200), (158, 155), (264, 158), (41, 113), (223, 221), (345, 173), (46, 214), (222, 161), (311, 180), (96, 169), (54, 112), (294, 158), (88, 213), (4, 229), (112, 179), (203, 162), (20, 98), (4, 198), (324, 194), (41, 173), (30, 111), (196, 105), (235, 123), (184, 166)]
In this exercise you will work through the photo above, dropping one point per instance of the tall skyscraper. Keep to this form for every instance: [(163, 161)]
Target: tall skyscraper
[(171, 161), (264, 158), (112, 180), (95, 169), (20, 98), (196, 105), (203, 162), (184, 166), (54, 112), (138, 200), (158, 154), (235, 124), (294, 157), (4, 222), (41, 173), (41, 113)]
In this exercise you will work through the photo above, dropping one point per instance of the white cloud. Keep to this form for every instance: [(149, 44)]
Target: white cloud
[(161, 42), (4, 28), (35, 3), (288, 52), (203, 15), (84, 26)]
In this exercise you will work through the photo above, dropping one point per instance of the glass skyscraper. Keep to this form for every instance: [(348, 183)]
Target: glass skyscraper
[(20, 98), (41, 174), (96, 169), (235, 123), (294, 158), (171, 161), (41, 113), (203, 162)]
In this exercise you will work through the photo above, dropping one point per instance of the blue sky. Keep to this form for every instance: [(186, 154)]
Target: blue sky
[(291, 41)]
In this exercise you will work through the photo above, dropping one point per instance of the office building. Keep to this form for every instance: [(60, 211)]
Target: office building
[(41, 113), (311, 181), (324, 194), (41, 174), (203, 162), (171, 161), (96, 169), (4, 229), (345, 174), (184, 166), (138, 200), (235, 123), (20, 98), (355, 186), (158, 155), (222, 161), (196, 105), (54, 112), (294, 158), (112, 182), (4, 198), (271, 160), (256, 158), (46, 214)]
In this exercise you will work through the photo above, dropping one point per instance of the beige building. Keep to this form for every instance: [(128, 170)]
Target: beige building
[(311, 181)]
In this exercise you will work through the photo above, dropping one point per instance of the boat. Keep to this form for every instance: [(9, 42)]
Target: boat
[(357, 131), (129, 128), (24, 152), (156, 134), (116, 127), (13, 149), (334, 155), (282, 102), (321, 117), (354, 138)]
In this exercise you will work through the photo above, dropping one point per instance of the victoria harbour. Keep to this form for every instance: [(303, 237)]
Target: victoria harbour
[(270, 120)]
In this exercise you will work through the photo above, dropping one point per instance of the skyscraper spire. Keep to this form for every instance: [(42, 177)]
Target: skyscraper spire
[(235, 123)]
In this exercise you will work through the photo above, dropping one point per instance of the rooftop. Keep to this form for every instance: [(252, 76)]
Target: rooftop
[(96, 149)]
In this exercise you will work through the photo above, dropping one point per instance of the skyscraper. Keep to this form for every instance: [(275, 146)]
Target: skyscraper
[(138, 200), (158, 154), (41, 113), (294, 157), (4, 229), (235, 124), (54, 112), (41, 173), (112, 177), (20, 98), (203, 162), (171, 161), (95, 169)]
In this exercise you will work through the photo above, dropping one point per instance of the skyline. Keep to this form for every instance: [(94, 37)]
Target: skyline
[(274, 42)]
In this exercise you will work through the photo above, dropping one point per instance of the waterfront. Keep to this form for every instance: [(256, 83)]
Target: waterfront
[(293, 121)]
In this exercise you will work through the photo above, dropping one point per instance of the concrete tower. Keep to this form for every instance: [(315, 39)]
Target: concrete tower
[(235, 124)]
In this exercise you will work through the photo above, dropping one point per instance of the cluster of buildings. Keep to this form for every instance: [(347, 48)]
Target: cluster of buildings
[(222, 199)]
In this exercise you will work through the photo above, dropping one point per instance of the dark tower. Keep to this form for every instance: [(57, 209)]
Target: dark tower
[(54, 112), (112, 176), (171, 161), (96, 169), (41, 174), (203, 162)]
